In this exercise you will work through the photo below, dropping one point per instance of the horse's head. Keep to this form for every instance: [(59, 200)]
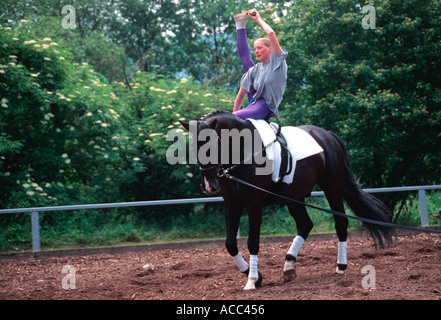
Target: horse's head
[(212, 155)]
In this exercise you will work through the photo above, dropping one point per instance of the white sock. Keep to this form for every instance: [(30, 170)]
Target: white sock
[(240, 262), (240, 24), (341, 256), (295, 246), (253, 266)]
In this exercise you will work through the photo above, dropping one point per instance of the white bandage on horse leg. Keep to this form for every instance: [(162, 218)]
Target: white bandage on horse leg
[(253, 267), (295, 246), (341, 256), (253, 275), (240, 262)]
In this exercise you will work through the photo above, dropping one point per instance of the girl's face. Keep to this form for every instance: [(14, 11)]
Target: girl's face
[(263, 53)]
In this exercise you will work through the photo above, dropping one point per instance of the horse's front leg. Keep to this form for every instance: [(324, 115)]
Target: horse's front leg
[(233, 212), (255, 221)]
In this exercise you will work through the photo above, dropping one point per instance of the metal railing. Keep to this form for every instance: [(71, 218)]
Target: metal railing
[(35, 226)]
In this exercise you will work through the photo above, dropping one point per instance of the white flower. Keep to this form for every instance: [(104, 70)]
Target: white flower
[(4, 102)]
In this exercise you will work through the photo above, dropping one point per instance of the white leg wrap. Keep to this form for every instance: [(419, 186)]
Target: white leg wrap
[(253, 276), (341, 256), (295, 246), (253, 267), (240, 262)]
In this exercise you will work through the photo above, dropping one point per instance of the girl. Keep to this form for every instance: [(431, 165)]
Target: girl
[(264, 82)]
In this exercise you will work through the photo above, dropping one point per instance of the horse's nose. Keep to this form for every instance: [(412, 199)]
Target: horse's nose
[(207, 187)]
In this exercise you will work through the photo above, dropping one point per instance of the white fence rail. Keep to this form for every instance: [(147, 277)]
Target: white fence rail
[(35, 211)]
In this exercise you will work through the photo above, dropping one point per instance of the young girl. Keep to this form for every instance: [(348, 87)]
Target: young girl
[(264, 82)]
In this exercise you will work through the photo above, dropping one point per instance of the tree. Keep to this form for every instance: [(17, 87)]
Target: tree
[(56, 120), (376, 88)]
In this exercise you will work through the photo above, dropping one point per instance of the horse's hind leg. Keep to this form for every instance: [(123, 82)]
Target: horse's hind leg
[(335, 199), (304, 226)]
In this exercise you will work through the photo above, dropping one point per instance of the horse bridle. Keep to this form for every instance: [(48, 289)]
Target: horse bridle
[(222, 172)]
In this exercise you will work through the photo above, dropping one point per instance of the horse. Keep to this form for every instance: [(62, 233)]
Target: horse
[(330, 170)]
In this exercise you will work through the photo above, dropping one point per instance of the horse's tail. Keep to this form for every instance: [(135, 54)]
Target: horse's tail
[(365, 205)]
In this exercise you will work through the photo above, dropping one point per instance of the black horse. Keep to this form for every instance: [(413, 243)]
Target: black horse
[(330, 170)]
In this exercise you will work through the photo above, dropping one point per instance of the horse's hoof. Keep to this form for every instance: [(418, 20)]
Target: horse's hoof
[(289, 275), (258, 283), (250, 285), (340, 269)]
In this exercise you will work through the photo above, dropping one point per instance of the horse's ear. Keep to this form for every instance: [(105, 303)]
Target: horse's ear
[(185, 125)]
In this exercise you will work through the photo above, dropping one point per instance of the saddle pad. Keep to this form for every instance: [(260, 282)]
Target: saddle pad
[(300, 145)]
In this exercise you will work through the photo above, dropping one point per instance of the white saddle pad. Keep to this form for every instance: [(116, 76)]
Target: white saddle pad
[(300, 145)]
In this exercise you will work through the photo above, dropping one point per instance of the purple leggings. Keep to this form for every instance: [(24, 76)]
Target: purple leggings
[(258, 110)]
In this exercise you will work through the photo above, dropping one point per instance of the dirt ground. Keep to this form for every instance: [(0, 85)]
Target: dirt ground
[(408, 270)]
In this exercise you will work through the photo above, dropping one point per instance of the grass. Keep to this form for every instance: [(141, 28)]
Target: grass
[(84, 229)]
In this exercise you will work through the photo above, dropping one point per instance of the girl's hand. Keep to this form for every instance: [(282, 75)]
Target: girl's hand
[(253, 14)]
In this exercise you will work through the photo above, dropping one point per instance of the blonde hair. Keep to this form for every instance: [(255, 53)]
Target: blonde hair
[(265, 41)]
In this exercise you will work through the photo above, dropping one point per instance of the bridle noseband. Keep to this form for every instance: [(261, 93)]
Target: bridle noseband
[(220, 171)]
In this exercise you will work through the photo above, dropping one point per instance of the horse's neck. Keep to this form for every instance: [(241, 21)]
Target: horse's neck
[(232, 123)]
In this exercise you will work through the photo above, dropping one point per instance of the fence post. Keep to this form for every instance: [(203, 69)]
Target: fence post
[(35, 232), (423, 208)]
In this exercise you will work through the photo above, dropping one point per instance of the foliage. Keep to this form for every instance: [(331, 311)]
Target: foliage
[(56, 117)]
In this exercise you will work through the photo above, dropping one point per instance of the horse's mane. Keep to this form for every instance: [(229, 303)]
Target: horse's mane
[(225, 113)]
